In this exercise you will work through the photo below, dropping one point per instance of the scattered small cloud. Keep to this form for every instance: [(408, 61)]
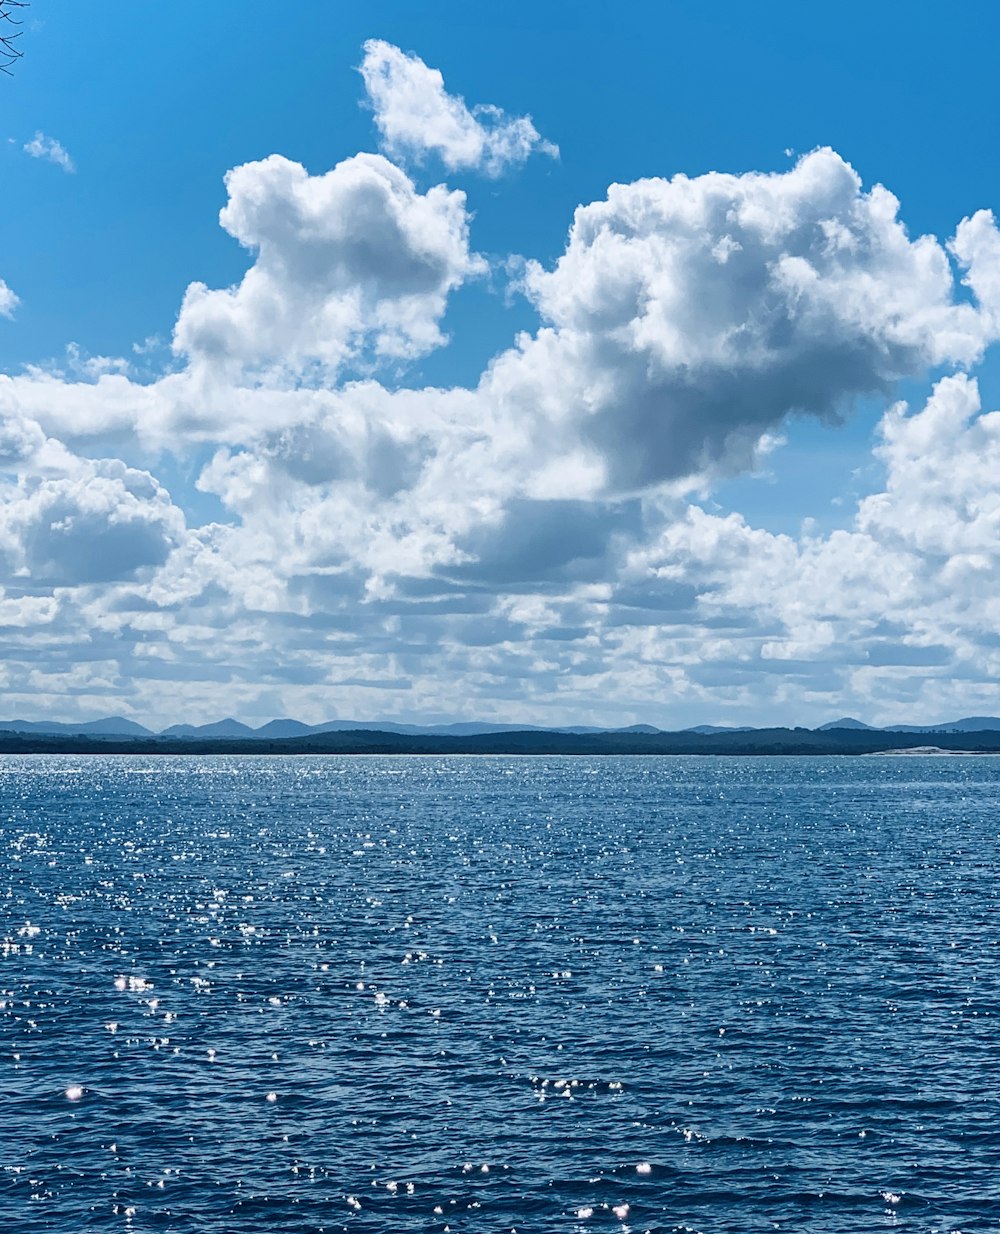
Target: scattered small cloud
[(50, 149), (416, 116), (8, 300), (150, 345)]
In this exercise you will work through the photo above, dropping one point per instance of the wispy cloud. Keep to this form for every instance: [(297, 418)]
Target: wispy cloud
[(50, 149)]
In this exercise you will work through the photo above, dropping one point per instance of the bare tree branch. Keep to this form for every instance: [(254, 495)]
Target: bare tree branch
[(8, 51)]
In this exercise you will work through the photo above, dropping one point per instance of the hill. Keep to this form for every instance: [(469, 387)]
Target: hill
[(773, 741)]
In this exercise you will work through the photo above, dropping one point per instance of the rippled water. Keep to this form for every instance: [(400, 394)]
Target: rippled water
[(421, 994)]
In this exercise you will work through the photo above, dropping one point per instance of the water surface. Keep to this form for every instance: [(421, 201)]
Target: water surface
[(490, 994)]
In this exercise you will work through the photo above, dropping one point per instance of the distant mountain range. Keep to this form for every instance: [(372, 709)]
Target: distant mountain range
[(277, 730), (971, 724), (116, 728), (359, 740), (113, 726)]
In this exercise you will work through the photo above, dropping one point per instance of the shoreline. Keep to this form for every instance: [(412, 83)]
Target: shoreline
[(763, 743)]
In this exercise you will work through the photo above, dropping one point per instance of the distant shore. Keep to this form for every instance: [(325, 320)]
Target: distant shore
[(757, 742), (930, 752)]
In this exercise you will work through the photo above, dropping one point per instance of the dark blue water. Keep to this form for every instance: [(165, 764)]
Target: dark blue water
[(423, 994)]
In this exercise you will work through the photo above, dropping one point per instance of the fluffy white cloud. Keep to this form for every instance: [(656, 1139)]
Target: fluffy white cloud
[(941, 508), (346, 263), (50, 149), (416, 115), (8, 300), (523, 544), (102, 523), (685, 320), (976, 246), (688, 317), (898, 610)]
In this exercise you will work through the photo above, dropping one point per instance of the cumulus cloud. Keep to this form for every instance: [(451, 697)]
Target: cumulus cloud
[(51, 150), (351, 260), (897, 609), (103, 523), (527, 543), (688, 317), (685, 320), (8, 300), (415, 115), (941, 498)]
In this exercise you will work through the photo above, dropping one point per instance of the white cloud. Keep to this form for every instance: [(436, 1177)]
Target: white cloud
[(415, 115), (942, 498), (50, 149), (688, 317), (522, 544), (8, 300), (352, 261), (101, 523), (685, 320), (898, 611)]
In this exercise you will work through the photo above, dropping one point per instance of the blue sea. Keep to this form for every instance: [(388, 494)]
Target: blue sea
[(499, 994)]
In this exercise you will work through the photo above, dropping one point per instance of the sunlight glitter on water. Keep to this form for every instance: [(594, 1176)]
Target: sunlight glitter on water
[(661, 994)]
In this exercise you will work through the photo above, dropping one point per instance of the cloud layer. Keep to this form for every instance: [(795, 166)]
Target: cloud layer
[(280, 524)]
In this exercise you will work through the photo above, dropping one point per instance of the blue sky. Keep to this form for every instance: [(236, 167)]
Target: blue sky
[(382, 504)]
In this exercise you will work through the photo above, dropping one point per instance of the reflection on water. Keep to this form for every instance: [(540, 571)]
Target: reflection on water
[(429, 994)]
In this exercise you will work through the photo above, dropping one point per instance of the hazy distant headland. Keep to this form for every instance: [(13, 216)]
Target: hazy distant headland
[(117, 735)]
